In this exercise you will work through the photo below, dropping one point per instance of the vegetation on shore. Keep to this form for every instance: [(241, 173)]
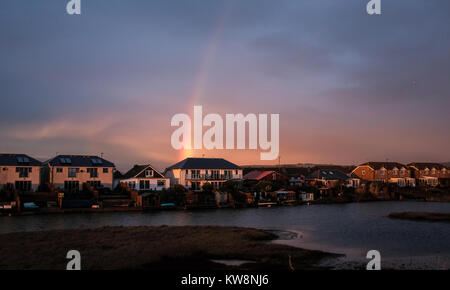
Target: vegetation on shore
[(154, 248), (421, 216)]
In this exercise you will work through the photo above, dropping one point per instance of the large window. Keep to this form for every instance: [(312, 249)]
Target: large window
[(95, 184), (93, 172), (71, 185), (23, 185), (72, 172), (23, 171), (161, 183)]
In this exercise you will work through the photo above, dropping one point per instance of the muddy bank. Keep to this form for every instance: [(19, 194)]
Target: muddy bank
[(154, 248), (421, 216)]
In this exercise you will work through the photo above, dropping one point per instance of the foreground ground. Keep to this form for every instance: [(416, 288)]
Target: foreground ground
[(421, 216), (155, 248)]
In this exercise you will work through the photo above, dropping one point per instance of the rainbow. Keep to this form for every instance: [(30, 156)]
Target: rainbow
[(202, 76)]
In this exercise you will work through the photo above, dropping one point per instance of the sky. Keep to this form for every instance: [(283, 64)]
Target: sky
[(349, 87)]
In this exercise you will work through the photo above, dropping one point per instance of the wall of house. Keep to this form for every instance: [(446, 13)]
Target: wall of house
[(437, 173), (153, 183), (365, 173), (58, 178), (8, 174)]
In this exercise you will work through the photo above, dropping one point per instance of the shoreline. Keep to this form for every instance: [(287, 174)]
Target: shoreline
[(155, 248), (51, 211)]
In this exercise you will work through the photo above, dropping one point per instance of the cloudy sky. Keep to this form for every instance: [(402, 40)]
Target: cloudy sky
[(349, 87)]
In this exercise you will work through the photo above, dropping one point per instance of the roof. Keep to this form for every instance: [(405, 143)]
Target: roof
[(429, 165), (386, 165), (327, 175), (18, 160), (204, 163), (258, 175), (137, 169), (79, 161)]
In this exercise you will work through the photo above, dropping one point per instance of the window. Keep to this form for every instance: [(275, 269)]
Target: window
[(161, 183), (23, 185), (148, 173), (5, 168), (363, 172), (95, 184), (23, 171), (382, 171), (93, 172), (72, 172), (105, 170), (433, 171), (147, 184), (59, 170), (96, 161), (141, 184), (395, 171), (71, 185)]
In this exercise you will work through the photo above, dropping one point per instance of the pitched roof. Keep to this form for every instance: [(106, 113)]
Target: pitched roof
[(79, 161), (258, 175), (18, 160), (134, 172), (327, 175), (387, 165), (204, 163), (429, 165)]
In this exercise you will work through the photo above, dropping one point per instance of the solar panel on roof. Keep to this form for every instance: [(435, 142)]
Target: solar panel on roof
[(94, 161), (68, 160), (99, 161), (25, 159), (19, 159), (62, 160)]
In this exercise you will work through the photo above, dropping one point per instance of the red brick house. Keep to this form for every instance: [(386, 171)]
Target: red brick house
[(421, 170), (382, 171)]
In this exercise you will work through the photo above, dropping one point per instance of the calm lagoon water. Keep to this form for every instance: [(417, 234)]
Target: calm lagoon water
[(350, 229)]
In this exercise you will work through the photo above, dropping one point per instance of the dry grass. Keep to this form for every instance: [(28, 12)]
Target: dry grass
[(156, 248)]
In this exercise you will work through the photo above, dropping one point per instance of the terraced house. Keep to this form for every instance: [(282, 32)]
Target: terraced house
[(20, 170), (429, 173), (193, 173), (145, 177), (69, 172), (392, 172)]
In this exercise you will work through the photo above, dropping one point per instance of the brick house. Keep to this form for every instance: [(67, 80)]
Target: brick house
[(384, 171), (20, 170), (268, 175), (69, 172), (430, 173)]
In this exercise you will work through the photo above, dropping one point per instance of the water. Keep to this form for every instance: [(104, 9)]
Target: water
[(350, 229)]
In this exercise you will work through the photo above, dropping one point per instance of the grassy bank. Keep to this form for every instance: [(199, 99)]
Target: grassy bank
[(153, 248), (421, 216)]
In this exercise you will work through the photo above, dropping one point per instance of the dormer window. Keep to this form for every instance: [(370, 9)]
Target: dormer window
[(148, 173), (403, 171), (433, 171), (382, 171), (395, 171), (426, 171)]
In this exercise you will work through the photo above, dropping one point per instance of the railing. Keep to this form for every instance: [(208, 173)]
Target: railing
[(208, 177)]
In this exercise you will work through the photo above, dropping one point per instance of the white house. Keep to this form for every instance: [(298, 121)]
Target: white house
[(145, 177), (193, 173)]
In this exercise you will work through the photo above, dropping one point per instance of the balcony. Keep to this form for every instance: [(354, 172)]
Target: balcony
[(208, 177)]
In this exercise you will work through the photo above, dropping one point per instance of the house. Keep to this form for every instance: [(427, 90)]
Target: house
[(268, 175), (436, 170), (20, 170), (307, 196), (285, 195), (69, 172), (381, 171), (327, 178), (145, 177), (193, 173)]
